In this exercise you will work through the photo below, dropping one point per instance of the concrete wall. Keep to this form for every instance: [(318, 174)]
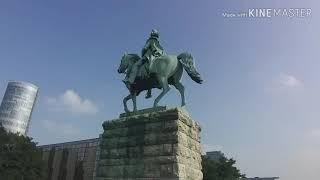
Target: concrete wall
[(72, 160)]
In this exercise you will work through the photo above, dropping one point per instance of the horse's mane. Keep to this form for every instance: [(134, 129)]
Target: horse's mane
[(135, 57)]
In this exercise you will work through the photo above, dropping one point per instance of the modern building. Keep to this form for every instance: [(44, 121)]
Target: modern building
[(215, 155), (263, 178), (17, 105), (71, 160)]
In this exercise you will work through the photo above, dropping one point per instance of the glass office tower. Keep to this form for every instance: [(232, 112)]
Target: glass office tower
[(17, 105)]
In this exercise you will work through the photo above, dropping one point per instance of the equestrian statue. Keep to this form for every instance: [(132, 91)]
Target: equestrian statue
[(155, 69)]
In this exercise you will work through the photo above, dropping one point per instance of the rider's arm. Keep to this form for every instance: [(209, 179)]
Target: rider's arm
[(145, 48)]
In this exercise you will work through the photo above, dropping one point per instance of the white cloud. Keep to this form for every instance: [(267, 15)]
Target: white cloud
[(71, 101), (284, 83), (287, 80), (61, 129), (314, 133)]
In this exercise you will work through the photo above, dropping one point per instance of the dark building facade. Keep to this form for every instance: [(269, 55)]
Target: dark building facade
[(214, 155), (263, 178), (71, 160)]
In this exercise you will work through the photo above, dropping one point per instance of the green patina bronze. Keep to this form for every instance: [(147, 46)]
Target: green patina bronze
[(155, 69)]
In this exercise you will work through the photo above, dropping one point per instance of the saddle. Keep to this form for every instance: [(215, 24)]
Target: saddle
[(143, 71)]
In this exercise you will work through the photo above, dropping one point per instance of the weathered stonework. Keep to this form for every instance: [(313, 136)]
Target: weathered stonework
[(151, 146)]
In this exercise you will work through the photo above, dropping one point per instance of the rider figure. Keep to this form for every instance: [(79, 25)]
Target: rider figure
[(152, 48), (150, 51)]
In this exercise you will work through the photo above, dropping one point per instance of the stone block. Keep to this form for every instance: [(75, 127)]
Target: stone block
[(152, 150), (166, 170), (148, 145), (167, 149), (151, 170)]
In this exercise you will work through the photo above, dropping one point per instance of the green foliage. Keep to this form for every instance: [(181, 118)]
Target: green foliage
[(20, 159), (220, 170)]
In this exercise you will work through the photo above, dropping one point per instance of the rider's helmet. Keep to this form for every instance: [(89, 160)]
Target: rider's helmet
[(154, 33)]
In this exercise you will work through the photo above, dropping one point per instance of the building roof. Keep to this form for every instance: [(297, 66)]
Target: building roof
[(262, 178)]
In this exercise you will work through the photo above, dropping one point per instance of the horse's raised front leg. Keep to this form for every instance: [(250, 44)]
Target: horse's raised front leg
[(125, 100), (180, 88), (165, 88), (134, 101)]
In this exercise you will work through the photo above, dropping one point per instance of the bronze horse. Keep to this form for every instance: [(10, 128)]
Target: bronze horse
[(161, 72)]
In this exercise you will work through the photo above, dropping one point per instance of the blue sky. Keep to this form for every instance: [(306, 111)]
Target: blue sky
[(260, 100)]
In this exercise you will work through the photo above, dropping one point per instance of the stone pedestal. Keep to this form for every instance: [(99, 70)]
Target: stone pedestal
[(151, 146)]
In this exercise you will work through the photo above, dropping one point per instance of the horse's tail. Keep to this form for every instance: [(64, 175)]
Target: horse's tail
[(188, 64)]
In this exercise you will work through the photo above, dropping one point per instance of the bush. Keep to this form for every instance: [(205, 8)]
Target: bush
[(20, 159), (223, 169)]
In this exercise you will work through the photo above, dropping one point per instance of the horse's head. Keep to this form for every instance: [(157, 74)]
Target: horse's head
[(127, 61), (123, 64)]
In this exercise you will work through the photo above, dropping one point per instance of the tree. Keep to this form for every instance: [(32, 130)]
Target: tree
[(223, 169), (20, 159)]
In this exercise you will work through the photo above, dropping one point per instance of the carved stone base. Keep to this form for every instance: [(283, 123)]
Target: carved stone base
[(156, 145), (143, 111)]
